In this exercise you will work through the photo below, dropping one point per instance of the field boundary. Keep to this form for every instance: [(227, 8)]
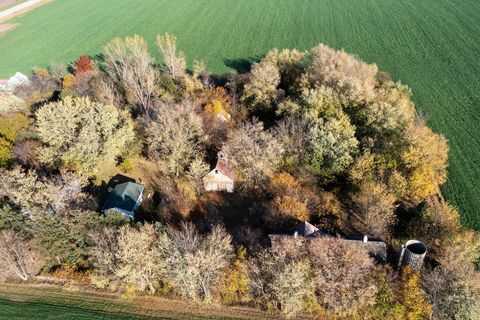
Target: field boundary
[(20, 9)]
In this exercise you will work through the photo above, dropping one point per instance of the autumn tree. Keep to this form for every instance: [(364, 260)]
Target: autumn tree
[(353, 79), (129, 64), (17, 257), (261, 88), (413, 297), (24, 189), (80, 134), (174, 61), (82, 64), (375, 210), (424, 162), (453, 287), (138, 257), (344, 274), (175, 136), (253, 151), (194, 263), (333, 145), (281, 277)]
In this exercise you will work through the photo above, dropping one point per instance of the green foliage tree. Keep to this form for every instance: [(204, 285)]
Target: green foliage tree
[(80, 134)]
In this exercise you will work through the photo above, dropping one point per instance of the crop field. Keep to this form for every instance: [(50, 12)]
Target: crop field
[(27, 302), (431, 45)]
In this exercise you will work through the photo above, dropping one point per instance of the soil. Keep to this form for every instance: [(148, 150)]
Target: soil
[(6, 28)]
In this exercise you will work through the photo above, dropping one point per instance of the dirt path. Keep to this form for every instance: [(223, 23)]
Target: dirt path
[(149, 306), (20, 9)]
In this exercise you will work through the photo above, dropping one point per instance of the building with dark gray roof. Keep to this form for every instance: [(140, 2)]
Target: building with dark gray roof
[(125, 199)]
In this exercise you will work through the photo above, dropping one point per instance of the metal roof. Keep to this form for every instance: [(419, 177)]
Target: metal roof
[(124, 197)]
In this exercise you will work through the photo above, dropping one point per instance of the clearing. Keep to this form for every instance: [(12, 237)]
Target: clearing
[(26, 302), (431, 45)]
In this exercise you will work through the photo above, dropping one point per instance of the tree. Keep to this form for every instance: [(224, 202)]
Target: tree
[(261, 88), (24, 189), (138, 258), (375, 208), (63, 236), (173, 60), (294, 134), (254, 152), (413, 298), (105, 252), (25, 153), (175, 136), (83, 64), (332, 145), (424, 162), (194, 263), (17, 257), (282, 278), (344, 274), (80, 134), (453, 287), (129, 64), (353, 79)]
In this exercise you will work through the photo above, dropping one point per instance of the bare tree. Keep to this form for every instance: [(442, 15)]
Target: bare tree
[(138, 257), (130, 64), (17, 258), (343, 274), (175, 136), (194, 262), (173, 60), (280, 276), (105, 252), (375, 209), (253, 151)]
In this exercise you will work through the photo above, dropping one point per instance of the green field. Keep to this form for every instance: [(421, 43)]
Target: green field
[(32, 302), (432, 45), (34, 310)]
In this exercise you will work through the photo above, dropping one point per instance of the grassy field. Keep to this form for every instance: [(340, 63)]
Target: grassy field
[(19, 302), (432, 45)]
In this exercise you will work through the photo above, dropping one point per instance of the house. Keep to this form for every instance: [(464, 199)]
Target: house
[(305, 231), (125, 199), (221, 178)]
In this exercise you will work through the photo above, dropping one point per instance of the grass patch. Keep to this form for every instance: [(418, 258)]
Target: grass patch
[(431, 45)]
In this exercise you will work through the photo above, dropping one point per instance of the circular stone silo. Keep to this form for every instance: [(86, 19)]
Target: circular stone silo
[(413, 253)]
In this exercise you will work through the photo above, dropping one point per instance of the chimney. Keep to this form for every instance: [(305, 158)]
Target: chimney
[(365, 239)]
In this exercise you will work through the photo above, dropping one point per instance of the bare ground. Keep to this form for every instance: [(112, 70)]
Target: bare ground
[(7, 27)]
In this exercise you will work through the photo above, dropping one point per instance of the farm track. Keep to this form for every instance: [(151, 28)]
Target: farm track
[(22, 8), (431, 45)]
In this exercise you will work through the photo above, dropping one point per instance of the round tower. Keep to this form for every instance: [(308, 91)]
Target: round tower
[(412, 255)]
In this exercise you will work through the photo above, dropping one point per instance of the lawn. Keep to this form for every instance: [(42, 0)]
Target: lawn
[(431, 45)]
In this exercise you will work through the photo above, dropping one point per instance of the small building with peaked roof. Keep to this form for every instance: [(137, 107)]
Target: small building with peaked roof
[(221, 178), (125, 198), (304, 231)]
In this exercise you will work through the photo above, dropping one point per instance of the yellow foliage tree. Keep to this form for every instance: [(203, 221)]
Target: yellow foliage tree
[(234, 286), (425, 162), (413, 298)]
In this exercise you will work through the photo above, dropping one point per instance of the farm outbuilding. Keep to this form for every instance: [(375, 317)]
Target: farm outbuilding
[(125, 199), (221, 178), (304, 231)]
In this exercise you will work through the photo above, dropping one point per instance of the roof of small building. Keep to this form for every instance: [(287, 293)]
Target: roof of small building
[(306, 231), (124, 197), (224, 168)]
